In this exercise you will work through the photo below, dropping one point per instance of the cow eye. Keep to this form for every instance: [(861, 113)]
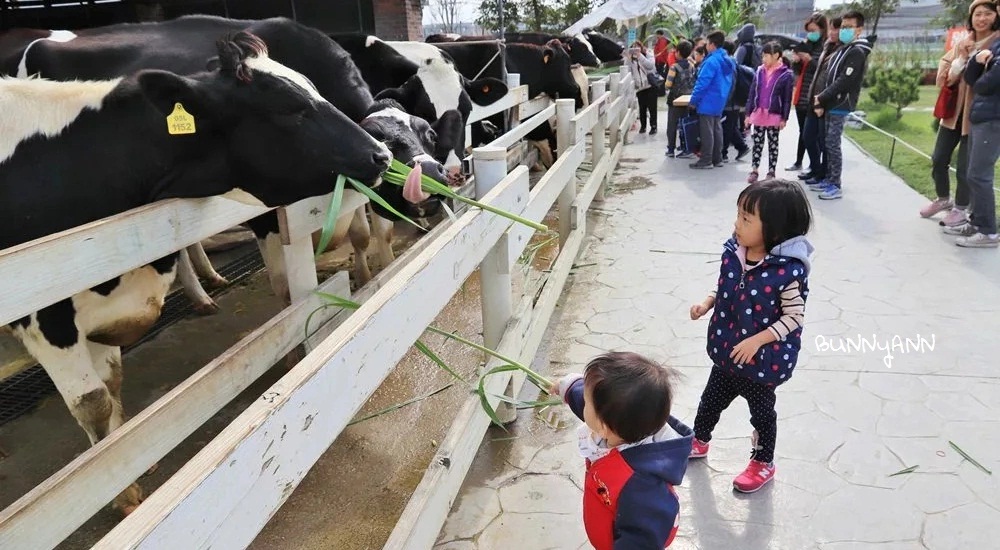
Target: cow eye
[(432, 136)]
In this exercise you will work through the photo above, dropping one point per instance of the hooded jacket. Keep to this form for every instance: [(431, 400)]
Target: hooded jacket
[(715, 79), (748, 300), (747, 53), (985, 83), (780, 101), (844, 76), (629, 502)]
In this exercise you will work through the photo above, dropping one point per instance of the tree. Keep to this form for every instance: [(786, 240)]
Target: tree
[(489, 15), (896, 86), (447, 14), (874, 10), (538, 15), (955, 13), (728, 15)]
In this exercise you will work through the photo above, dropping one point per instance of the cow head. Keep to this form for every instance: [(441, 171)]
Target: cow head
[(283, 141), (605, 48), (580, 50), (485, 91), (411, 140), (557, 74)]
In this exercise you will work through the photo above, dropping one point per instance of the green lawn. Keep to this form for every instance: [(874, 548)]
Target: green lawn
[(914, 128)]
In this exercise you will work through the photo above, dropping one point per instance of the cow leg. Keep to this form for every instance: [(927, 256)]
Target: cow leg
[(71, 367), (360, 234), (270, 251), (203, 304), (107, 361), (545, 157), (382, 230), (203, 267)]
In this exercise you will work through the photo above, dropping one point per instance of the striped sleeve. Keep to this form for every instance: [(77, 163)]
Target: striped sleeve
[(793, 310)]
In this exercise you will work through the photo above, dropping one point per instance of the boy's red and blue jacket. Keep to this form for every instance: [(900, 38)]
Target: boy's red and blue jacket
[(629, 501), (748, 300)]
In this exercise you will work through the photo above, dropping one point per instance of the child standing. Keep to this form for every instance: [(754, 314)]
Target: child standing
[(680, 81), (754, 336), (769, 103), (635, 451)]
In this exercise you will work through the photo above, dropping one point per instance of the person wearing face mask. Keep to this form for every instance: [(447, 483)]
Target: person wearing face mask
[(953, 131), (840, 97), (807, 57)]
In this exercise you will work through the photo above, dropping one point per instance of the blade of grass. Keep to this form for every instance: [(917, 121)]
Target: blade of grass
[(909, 470), (373, 196), (398, 406), (434, 357), (969, 458), (483, 398), (331, 216), (537, 379)]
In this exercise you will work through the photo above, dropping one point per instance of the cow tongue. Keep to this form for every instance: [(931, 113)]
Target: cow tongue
[(412, 191)]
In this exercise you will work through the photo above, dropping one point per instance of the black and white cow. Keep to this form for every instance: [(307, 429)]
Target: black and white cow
[(260, 130), (605, 48), (427, 84), (578, 47), (184, 45)]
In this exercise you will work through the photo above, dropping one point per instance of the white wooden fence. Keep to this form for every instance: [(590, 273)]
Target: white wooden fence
[(225, 494)]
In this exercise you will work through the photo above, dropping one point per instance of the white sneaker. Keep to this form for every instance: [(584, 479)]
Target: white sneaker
[(978, 240)]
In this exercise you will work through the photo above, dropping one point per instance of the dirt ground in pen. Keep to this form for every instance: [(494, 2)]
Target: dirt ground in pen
[(352, 497)]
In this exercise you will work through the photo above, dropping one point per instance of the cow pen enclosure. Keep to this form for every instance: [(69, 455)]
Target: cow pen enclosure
[(227, 493)]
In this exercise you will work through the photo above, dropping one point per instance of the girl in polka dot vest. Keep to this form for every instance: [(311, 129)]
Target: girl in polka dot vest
[(755, 331)]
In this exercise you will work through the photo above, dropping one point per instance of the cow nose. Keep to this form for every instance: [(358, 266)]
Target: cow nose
[(382, 157), (434, 169)]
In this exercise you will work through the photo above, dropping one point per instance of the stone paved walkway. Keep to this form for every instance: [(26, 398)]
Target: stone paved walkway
[(847, 420)]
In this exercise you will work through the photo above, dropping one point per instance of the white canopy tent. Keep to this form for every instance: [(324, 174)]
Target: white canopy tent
[(627, 13)]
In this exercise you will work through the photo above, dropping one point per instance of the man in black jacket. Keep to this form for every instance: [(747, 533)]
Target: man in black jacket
[(840, 97)]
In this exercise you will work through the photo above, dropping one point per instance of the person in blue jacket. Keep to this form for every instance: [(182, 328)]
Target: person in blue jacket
[(755, 333), (711, 92), (635, 452)]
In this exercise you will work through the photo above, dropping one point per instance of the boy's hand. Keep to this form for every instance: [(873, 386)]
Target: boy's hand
[(744, 351), (697, 311)]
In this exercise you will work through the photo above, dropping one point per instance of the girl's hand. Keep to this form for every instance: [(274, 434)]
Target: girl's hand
[(782, 126), (554, 388), (697, 311), (965, 48), (744, 351)]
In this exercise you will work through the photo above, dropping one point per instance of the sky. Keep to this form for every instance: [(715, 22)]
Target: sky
[(468, 9)]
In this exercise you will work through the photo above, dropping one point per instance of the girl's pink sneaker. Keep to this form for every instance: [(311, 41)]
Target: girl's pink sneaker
[(699, 449), (756, 475)]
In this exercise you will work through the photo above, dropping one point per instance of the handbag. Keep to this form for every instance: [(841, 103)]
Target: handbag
[(655, 80), (947, 102)]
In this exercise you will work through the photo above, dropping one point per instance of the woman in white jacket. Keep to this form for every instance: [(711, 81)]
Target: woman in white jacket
[(640, 63)]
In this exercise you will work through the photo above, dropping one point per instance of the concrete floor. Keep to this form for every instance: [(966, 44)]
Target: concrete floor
[(847, 420)]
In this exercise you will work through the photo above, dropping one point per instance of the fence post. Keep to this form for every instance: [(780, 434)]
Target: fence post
[(565, 136), (496, 294), (598, 146), (892, 152), (616, 121)]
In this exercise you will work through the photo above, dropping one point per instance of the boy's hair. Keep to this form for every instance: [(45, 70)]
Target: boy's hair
[(855, 15), (701, 50), (729, 46), (772, 48), (836, 22), (684, 49), (717, 38), (782, 207), (659, 32), (819, 19), (631, 394)]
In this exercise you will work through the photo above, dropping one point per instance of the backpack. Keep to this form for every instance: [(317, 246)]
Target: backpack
[(683, 83), (752, 55), (742, 82)]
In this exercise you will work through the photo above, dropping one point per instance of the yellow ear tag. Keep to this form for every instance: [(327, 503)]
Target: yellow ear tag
[(180, 121)]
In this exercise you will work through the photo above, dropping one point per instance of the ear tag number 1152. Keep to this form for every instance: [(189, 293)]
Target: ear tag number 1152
[(180, 121)]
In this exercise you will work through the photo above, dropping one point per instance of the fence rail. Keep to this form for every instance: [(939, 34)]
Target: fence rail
[(227, 492)]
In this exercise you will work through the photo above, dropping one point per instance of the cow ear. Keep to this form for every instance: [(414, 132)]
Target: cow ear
[(165, 90), (213, 64), (547, 56), (485, 91), (396, 94)]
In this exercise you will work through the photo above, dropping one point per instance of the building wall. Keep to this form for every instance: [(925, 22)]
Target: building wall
[(398, 19), (786, 16)]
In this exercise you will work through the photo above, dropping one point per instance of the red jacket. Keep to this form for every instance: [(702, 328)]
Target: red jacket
[(660, 50), (629, 502)]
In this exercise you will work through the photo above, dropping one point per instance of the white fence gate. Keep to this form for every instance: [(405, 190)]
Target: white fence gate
[(225, 495)]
